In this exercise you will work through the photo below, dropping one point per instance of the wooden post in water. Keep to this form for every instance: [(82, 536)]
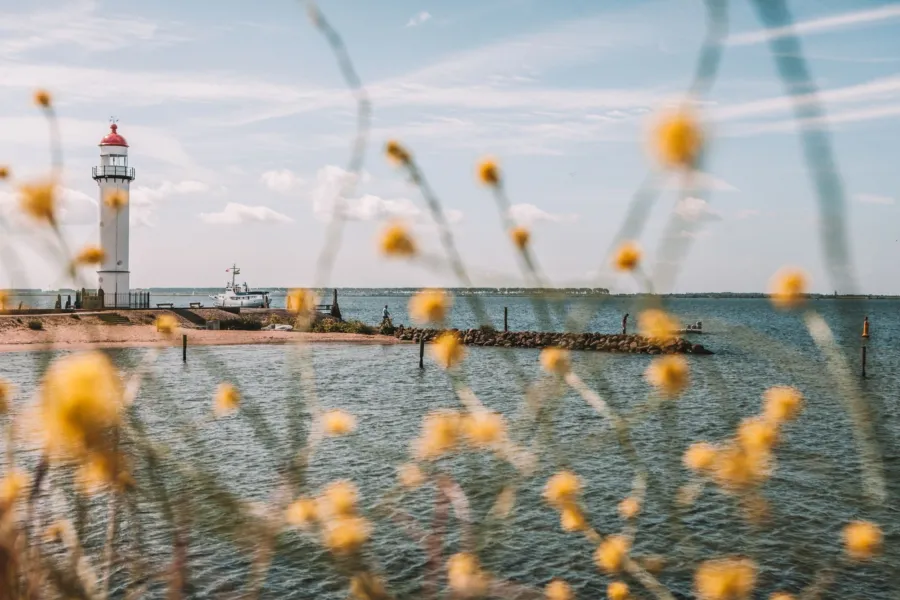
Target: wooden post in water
[(184, 347), (422, 351), (505, 321), (863, 361)]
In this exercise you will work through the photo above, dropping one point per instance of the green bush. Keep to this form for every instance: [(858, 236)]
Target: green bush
[(242, 324), (36, 325), (329, 325)]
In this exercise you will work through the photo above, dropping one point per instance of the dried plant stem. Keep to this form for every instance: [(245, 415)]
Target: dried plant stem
[(109, 552)]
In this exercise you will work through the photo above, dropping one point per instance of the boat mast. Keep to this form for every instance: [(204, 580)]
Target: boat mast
[(234, 272)]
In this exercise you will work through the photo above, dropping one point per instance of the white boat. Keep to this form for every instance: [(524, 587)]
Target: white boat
[(240, 295)]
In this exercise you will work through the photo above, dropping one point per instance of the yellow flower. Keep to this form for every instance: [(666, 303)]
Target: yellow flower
[(617, 590), (5, 394), (699, 456), (520, 237), (556, 360), (396, 153), (781, 596), (80, 404), (572, 519), (629, 508), (725, 579), (338, 499), (862, 540), (657, 324), (757, 435), (559, 590), (301, 512), (611, 553), (562, 489), (166, 324), (678, 139), (488, 172), (484, 428), (410, 475), (338, 422), (90, 255), (788, 287), (345, 535), (11, 487), (447, 350), (42, 98), (227, 399), (627, 257), (302, 303), (782, 403), (429, 306), (116, 199), (4, 172), (440, 434), (669, 374), (38, 200), (396, 241), (60, 531), (736, 468), (101, 470), (465, 576), (4, 299), (365, 586)]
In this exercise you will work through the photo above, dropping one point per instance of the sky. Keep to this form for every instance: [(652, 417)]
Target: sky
[(240, 127)]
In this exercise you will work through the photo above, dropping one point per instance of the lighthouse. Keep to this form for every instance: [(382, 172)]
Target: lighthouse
[(113, 175)]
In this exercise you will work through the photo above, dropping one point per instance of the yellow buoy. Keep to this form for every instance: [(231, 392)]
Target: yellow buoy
[(866, 327)]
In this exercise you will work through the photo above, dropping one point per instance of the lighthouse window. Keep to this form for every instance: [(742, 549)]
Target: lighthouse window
[(118, 161)]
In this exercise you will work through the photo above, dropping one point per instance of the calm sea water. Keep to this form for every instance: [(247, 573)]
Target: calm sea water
[(816, 489)]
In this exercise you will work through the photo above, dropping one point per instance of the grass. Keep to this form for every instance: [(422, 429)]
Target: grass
[(329, 325)]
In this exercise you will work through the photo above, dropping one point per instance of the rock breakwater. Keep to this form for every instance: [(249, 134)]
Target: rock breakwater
[(599, 342)]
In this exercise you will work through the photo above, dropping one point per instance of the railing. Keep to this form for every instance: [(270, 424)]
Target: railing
[(90, 299), (113, 171)]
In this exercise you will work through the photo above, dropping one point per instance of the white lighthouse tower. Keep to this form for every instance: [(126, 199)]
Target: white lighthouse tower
[(114, 175)]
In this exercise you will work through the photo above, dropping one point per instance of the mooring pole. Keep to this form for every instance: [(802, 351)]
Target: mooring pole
[(422, 351), (863, 361), (505, 321), (184, 347)]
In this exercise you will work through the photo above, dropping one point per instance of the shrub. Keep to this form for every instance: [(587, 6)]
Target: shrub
[(329, 325), (76, 317), (242, 324), (35, 325)]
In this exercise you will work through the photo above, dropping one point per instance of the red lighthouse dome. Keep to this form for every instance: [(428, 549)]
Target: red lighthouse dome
[(113, 138)]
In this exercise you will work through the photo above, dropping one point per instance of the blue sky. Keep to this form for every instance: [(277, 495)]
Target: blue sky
[(239, 124)]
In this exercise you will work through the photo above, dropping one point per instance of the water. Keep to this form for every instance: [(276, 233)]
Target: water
[(816, 489)]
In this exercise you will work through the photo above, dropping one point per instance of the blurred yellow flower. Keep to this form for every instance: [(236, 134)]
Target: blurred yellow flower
[(410, 475), (440, 434), (465, 576), (227, 399), (60, 531), (611, 553), (338, 499), (669, 374), (735, 468), (862, 540), (396, 241), (301, 301), (116, 199), (559, 590), (782, 596), (6, 389), (678, 139), (365, 586), (657, 324), (90, 255), (429, 306), (396, 153), (617, 590), (627, 257), (301, 512), (782, 403), (571, 518), (488, 172), (102, 470), (788, 287), (338, 422), (4, 172), (345, 535), (38, 200), (11, 487), (166, 324), (562, 489), (629, 508), (42, 98), (757, 435), (556, 360), (447, 350), (484, 428), (699, 456), (80, 404), (4, 299), (520, 237), (725, 579)]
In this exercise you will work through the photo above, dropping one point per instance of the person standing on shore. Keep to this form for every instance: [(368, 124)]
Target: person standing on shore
[(625, 324), (385, 315)]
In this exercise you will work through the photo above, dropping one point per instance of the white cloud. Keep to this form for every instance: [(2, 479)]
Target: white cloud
[(747, 213), (74, 207), (529, 214), (144, 200), (237, 214), (874, 199), (821, 25), (695, 209), (418, 19), (282, 181)]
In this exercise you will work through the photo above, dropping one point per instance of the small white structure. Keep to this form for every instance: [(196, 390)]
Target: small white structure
[(114, 175), (240, 295)]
